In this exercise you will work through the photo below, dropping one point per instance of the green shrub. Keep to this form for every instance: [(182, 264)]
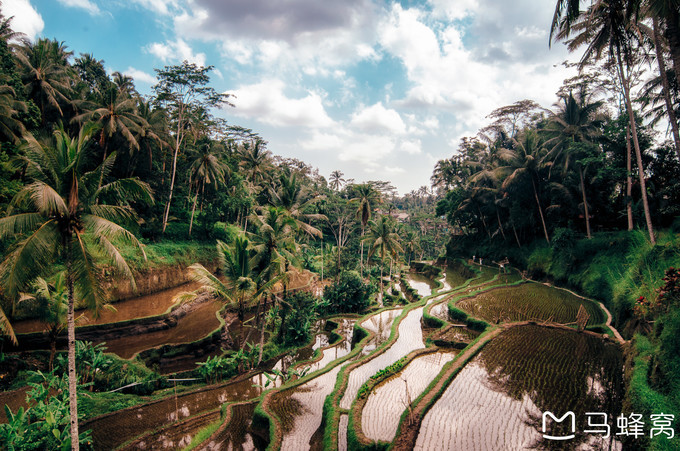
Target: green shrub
[(457, 314), (348, 294)]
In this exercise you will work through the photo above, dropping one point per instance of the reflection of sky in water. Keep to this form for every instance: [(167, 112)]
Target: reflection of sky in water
[(423, 285)]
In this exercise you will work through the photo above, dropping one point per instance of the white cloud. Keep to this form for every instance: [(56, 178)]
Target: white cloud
[(413, 147), (377, 118), (177, 51), (25, 19), (453, 9), (160, 6), (87, 5), (267, 103), (139, 75)]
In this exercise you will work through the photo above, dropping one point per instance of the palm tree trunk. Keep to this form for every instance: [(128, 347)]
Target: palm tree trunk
[(193, 210), (361, 260), (178, 141), (540, 211), (673, 35), (514, 230), (585, 202), (629, 180), (638, 154), (500, 225), (666, 87), (72, 376)]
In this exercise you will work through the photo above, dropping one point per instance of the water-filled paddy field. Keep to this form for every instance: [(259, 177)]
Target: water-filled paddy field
[(493, 402)]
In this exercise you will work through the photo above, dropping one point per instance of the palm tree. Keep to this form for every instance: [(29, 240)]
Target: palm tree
[(52, 299), (336, 180), (384, 240), (606, 27), (64, 223), (117, 114), (296, 200), (11, 127), (366, 198), (46, 75), (255, 160), (153, 129), (411, 244), (526, 160), (206, 168), (576, 122)]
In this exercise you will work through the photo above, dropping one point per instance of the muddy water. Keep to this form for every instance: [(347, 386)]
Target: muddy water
[(422, 284), (194, 325), (410, 338), (380, 416), (139, 307), (497, 400), (110, 431)]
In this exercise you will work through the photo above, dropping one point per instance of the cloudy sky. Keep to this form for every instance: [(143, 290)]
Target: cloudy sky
[(378, 89)]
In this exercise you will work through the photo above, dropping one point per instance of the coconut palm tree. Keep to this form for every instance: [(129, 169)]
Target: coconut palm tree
[(575, 122), (336, 180), (117, 114), (52, 299), (153, 129), (61, 221), (255, 160), (206, 168), (606, 28), (526, 161), (11, 128), (296, 200), (384, 240), (366, 198), (45, 74)]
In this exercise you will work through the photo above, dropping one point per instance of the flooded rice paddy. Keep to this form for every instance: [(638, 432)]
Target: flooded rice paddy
[(385, 404), (530, 301), (497, 400), (422, 284)]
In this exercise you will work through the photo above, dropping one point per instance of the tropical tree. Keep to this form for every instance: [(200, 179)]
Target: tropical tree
[(366, 197), (384, 240), (336, 180), (184, 88), (206, 168), (11, 127), (52, 307), (606, 28), (117, 114), (295, 200), (45, 74), (63, 222), (574, 124), (526, 161)]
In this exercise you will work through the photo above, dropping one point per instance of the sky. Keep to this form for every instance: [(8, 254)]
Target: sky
[(378, 89)]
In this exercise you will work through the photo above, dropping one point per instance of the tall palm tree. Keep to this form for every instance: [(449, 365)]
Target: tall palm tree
[(255, 160), (366, 198), (526, 161), (576, 121), (336, 180), (64, 223), (384, 240), (11, 128), (296, 200), (206, 168), (117, 114), (606, 28), (45, 74), (153, 130)]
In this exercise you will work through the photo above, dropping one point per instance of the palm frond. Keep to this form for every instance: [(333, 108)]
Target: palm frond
[(103, 228), (130, 189), (210, 283), (86, 276), (6, 328), (30, 256), (19, 223)]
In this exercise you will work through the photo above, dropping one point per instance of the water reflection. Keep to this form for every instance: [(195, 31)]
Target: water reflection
[(499, 397)]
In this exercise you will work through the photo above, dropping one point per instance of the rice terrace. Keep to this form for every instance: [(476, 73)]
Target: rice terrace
[(355, 225)]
